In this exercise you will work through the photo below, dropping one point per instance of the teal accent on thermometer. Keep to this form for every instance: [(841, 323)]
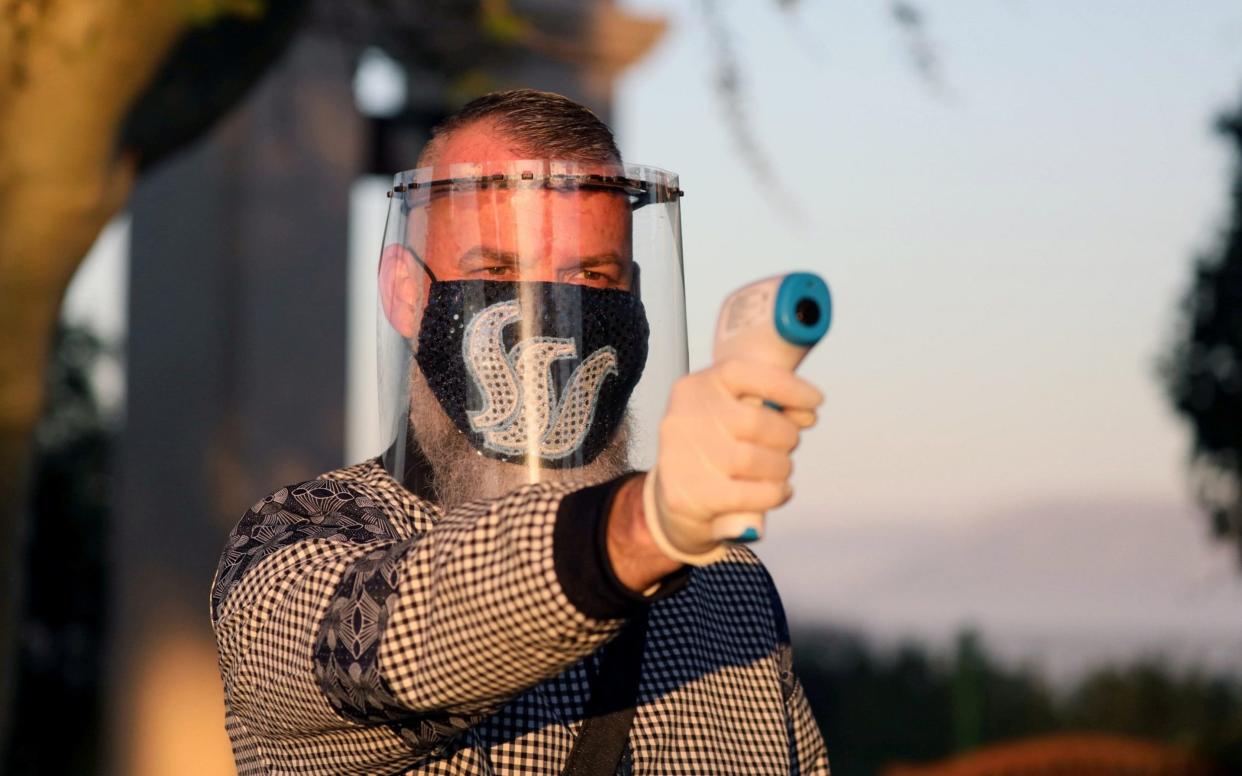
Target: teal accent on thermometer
[(803, 309)]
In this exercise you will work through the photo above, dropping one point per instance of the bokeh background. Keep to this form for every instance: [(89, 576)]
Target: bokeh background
[(1016, 536)]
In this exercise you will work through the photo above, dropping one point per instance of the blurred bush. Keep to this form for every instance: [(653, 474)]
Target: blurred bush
[(877, 706), (58, 727), (1202, 367)]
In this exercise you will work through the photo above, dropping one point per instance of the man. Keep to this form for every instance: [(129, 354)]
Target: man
[(454, 606)]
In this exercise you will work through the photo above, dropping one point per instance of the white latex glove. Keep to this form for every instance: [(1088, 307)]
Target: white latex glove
[(721, 452)]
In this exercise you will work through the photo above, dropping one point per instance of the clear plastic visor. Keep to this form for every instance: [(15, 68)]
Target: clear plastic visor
[(532, 321)]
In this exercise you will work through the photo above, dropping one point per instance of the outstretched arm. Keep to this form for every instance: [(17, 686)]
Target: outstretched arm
[(327, 619)]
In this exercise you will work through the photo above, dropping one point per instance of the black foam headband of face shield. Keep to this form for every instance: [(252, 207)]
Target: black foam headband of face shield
[(641, 193)]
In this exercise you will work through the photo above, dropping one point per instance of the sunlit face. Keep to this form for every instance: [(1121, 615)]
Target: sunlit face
[(521, 234), (578, 236), (492, 233)]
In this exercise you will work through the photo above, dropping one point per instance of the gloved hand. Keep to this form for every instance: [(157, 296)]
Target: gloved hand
[(721, 451)]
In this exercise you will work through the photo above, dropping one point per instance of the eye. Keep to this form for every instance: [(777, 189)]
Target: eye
[(591, 277), (494, 270), (605, 275)]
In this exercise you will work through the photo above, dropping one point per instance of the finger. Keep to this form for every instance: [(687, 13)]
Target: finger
[(748, 461), (755, 495), (771, 383), (803, 419), (752, 423)]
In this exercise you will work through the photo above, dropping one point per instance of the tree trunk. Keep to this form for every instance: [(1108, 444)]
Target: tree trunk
[(69, 71)]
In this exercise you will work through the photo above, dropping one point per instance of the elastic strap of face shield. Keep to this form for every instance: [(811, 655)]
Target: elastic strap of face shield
[(419, 261)]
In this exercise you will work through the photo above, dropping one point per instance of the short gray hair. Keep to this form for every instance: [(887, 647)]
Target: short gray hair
[(541, 124)]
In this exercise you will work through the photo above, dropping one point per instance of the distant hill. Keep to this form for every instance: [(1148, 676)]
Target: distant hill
[(1066, 585)]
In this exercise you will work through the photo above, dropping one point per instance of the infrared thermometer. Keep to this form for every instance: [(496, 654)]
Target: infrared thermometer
[(777, 321)]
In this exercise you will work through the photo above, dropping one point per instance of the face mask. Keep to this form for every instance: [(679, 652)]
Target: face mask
[(533, 368)]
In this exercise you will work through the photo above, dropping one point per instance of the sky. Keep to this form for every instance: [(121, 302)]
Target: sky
[(1006, 243), (1006, 250)]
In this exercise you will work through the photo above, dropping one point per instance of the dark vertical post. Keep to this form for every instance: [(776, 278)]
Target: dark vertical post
[(236, 355)]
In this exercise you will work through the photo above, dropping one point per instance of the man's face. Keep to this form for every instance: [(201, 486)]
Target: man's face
[(578, 236)]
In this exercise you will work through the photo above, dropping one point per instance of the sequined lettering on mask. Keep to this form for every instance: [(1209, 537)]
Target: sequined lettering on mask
[(543, 369)]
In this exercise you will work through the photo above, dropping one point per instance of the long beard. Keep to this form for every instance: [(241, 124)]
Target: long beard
[(460, 473)]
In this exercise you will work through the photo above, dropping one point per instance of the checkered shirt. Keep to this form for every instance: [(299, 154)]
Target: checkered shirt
[(362, 631)]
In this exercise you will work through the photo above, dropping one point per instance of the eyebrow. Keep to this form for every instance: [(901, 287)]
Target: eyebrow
[(484, 252), (611, 257), (511, 259)]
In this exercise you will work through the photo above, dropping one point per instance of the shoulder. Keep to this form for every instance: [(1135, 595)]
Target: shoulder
[(338, 510), (741, 566), (408, 512), (740, 582)]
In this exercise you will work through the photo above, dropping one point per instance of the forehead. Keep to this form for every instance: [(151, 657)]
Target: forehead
[(532, 222), (460, 220), (478, 142)]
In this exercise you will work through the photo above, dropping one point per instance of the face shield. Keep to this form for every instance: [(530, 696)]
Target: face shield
[(531, 323)]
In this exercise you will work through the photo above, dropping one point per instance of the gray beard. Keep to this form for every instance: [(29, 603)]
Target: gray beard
[(460, 473)]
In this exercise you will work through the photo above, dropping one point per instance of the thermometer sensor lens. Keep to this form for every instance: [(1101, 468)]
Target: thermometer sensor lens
[(807, 312)]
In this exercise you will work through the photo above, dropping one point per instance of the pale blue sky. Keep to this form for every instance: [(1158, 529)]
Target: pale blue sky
[(1006, 253)]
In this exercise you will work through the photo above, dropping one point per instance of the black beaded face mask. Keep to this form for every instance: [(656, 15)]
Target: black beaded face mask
[(532, 368)]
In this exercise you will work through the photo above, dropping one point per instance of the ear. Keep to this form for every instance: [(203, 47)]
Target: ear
[(402, 289)]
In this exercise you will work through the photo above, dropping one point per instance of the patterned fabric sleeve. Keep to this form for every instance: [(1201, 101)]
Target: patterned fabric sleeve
[(490, 615), (279, 571), (329, 619)]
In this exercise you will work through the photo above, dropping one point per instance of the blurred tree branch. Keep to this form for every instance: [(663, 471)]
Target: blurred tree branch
[(731, 91), (924, 55), (1202, 369)]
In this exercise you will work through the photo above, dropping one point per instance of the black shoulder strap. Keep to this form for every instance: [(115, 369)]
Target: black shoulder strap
[(610, 710)]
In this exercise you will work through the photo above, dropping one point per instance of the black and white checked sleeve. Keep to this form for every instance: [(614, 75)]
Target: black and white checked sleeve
[(330, 617), (506, 593)]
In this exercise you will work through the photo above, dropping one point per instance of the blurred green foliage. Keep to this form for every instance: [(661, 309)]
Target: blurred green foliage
[(906, 704), (1202, 369), (62, 668)]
